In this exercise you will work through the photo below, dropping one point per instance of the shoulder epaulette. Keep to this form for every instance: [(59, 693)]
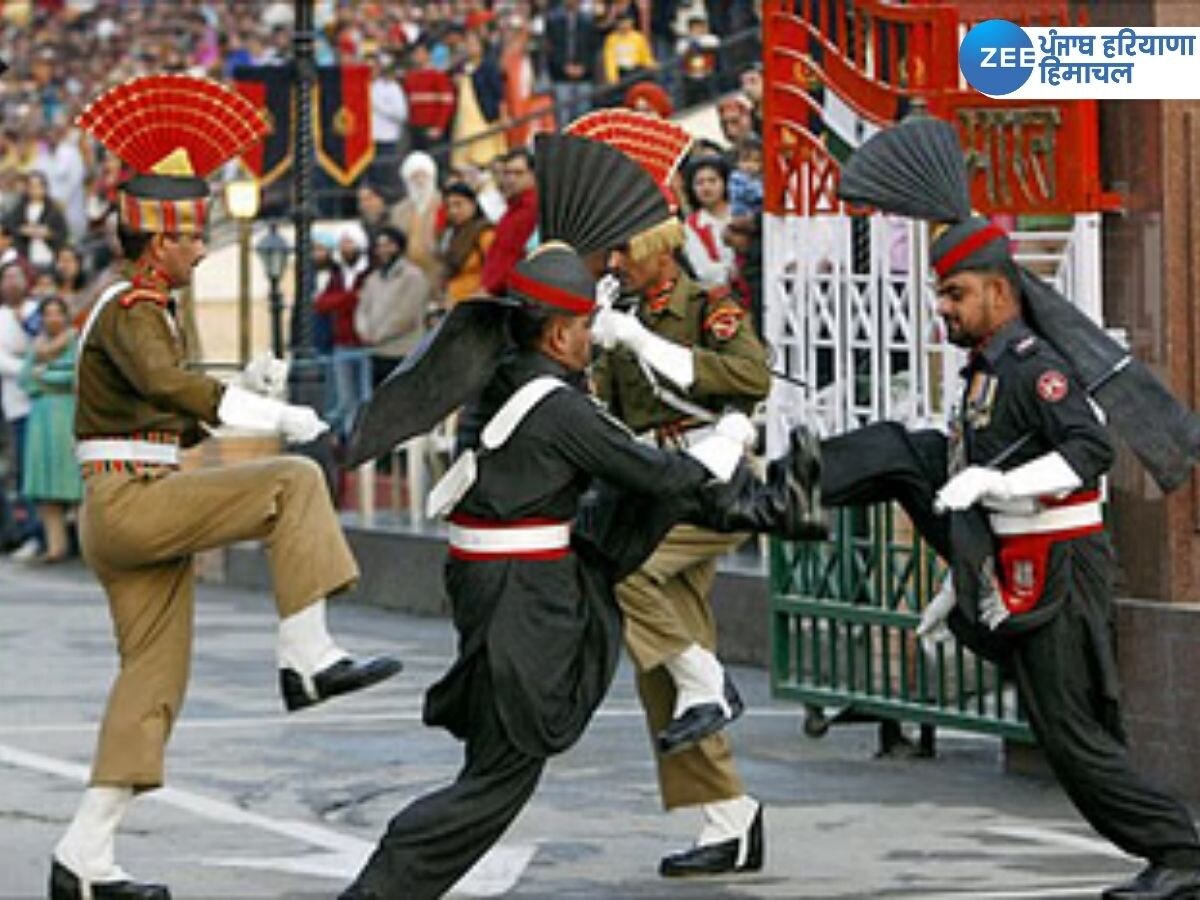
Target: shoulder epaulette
[(144, 295), (1024, 346)]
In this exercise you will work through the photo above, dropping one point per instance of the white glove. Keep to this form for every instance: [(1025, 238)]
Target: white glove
[(265, 375), (300, 425), (1049, 474), (932, 627), (676, 362), (971, 485), (721, 451), (611, 328), (608, 289), (244, 409)]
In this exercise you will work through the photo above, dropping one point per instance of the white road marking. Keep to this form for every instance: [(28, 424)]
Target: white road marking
[(1061, 839), (494, 875), (1054, 893)]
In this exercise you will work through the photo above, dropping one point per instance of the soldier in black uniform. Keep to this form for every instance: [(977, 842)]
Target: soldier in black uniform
[(533, 598), (1012, 500), (539, 627)]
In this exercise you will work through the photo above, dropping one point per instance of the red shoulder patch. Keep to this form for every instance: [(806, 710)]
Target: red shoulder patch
[(1052, 385), (724, 322), (144, 295)]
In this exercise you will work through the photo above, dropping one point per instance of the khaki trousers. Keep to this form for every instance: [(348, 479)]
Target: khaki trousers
[(138, 534), (667, 609)]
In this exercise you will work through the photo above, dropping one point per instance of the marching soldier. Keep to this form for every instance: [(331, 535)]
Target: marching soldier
[(684, 356), (1012, 500), (698, 346), (142, 519), (533, 558), (532, 601)]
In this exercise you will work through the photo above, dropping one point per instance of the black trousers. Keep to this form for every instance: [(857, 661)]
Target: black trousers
[(1063, 668), (885, 462), (436, 839), (1060, 673)]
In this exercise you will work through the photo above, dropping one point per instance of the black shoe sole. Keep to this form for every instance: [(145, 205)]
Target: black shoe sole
[(668, 746), (754, 857), (736, 708), (295, 698), (65, 885)]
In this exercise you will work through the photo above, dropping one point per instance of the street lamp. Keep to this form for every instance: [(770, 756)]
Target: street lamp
[(273, 251), (307, 376), (241, 201)]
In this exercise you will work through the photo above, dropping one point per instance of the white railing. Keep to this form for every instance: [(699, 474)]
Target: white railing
[(861, 330), (424, 459)]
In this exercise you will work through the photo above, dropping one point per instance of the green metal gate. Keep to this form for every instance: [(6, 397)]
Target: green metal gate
[(843, 619)]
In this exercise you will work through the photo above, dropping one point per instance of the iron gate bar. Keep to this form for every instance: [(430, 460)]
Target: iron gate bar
[(843, 617)]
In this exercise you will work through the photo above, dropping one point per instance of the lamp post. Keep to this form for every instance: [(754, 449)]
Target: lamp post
[(241, 201), (306, 376), (307, 384), (273, 252)]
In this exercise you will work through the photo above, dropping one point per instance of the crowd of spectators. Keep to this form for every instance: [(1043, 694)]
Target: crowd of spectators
[(442, 71), (448, 206), (459, 234)]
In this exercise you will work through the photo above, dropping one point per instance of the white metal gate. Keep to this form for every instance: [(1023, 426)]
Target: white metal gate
[(850, 312)]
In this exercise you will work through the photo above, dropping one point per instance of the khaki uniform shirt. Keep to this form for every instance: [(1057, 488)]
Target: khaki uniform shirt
[(132, 375), (731, 364)]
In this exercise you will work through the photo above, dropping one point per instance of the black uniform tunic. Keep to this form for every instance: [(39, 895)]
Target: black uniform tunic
[(1062, 650), (549, 628), (538, 639)]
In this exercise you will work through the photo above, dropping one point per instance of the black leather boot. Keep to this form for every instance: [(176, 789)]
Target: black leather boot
[(66, 885), (787, 504), (740, 854), (698, 722), (1158, 882), (345, 675)]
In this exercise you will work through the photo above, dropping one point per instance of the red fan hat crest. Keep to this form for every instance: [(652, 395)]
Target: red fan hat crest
[(173, 131), (658, 146)]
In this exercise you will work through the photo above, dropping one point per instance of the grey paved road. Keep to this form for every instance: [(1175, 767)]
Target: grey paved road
[(263, 805)]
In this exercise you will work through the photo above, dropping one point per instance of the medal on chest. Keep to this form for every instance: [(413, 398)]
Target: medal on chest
[(980, 400)]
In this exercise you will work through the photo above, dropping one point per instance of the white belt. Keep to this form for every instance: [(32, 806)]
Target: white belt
[(515, 540), (1060, 518), (112, 449)]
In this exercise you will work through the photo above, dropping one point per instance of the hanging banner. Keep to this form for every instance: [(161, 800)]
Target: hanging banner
[(269, 88), (343, 122)]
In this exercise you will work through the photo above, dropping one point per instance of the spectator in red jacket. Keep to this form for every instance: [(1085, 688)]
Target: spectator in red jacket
[(517, 225), (350, 363), (430, 99)]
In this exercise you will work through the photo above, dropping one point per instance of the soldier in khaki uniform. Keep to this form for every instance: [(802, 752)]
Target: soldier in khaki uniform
[(142, 519), (700, 347)]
